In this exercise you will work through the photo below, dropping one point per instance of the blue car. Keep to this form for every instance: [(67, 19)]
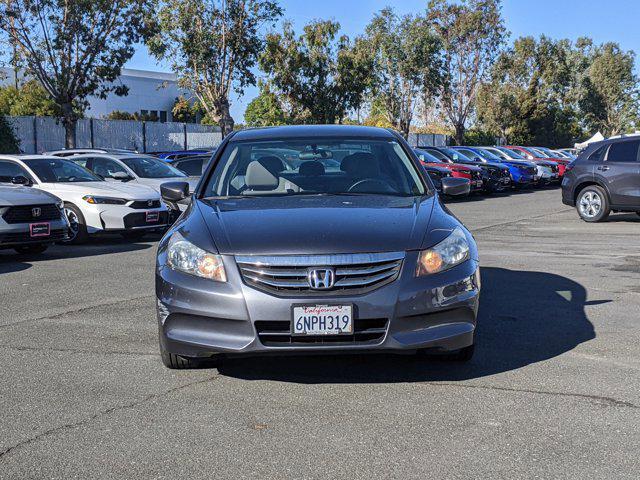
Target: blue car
[(522, 173)]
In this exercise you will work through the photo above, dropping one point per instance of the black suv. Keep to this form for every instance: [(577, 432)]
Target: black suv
[(604, 178)]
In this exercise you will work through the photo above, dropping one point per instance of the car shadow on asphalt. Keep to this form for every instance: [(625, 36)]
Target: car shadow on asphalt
[(525, 318), (99, 245)]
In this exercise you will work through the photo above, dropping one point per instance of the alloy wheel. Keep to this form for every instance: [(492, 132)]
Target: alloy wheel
[(74, 225), (590, 204)]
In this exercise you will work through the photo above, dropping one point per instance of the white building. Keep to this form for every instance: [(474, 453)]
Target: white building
[(150, 93)]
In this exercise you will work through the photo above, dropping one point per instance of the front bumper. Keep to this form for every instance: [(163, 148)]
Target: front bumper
[(101, 218), (198, 317), (16, 234)]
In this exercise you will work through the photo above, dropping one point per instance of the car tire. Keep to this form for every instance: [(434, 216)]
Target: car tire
[(31, 249), (592, 204), (133, 236), (176, 362), (463, 355), (78, 230)]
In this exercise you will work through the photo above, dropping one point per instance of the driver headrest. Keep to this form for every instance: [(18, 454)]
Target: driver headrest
[(361, 164), (312, 169), (272, 163), (259, 177)]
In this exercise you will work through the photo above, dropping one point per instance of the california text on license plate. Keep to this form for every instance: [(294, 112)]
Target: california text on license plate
[(322, 320)]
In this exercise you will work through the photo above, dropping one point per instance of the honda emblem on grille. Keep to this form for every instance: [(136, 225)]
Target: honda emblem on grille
[(321, 278), (36, 212)]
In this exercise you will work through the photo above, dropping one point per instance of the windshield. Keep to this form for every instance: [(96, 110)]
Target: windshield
[(149, 167), (314, 166), (60, 170), (456, 156), (426, 157), (512, 154), (439, 155), (535, 153), (488, 155)]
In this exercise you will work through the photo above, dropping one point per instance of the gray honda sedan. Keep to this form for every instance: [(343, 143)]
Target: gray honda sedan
[(345, 247)]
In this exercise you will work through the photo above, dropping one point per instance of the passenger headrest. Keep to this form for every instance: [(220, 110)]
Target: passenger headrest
[(361, 164), (312, 168), (259, 177)]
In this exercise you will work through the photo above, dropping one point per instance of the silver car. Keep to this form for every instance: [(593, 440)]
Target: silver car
[(30, 220), (351, 250), (134, 168)]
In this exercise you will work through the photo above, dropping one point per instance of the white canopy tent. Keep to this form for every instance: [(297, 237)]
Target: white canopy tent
[(598, 137)]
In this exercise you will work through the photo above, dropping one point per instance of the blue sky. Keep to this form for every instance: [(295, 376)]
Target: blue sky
[(613, 20)]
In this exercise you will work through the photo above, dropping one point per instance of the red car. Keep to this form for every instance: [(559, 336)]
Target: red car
[(533, 153), (432, 159)]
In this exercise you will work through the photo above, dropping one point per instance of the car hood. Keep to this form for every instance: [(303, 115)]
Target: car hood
[(518, 163), (12, 195), (299, 225), (130, 191), (156, 182)]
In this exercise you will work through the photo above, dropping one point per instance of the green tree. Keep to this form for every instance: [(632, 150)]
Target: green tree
[(213, 46), (8, 141), (265, 110), (320, 76), (120, 115), (610, 99), (29, 99), (472, 33), (183, 110), (531, 96), (75, 48), (406, 64)]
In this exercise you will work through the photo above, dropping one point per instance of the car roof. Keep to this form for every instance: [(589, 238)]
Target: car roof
[(305, 131), (22, 157)]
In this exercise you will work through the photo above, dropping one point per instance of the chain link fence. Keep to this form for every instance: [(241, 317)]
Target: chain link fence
[(40, 134)]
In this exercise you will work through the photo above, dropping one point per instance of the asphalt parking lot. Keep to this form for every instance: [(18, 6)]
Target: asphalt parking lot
[(553, 391)]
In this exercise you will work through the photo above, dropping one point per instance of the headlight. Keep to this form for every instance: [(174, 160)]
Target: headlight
[(184, 256), (450, 252), (104, 200)]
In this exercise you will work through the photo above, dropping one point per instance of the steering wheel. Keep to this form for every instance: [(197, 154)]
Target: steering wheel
[(370, 184)]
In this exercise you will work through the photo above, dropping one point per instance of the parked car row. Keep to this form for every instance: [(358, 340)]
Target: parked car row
[(495, 169)]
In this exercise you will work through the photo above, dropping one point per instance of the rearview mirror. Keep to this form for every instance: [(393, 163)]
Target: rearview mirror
[(455, 186), (174, 191), (21, 180)]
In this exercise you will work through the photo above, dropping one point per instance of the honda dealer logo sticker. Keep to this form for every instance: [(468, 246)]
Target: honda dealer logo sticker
[(321, 278), (35, 212)]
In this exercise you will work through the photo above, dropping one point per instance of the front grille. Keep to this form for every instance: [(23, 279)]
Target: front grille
[(288, 275), (476, 175), (25, 237), (145, 204), (139, 219), (555, 168), (366, 331), (531, 170), (25, 213)]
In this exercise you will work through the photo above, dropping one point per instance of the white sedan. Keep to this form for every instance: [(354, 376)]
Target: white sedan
[(93, 205)]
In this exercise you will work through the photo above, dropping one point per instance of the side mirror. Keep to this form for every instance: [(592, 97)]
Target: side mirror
[(174, 191), (21, 180), (455, 186), (120, 176)]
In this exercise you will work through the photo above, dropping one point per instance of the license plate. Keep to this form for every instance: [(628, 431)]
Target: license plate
[(322, 320), (478, 183), (153, 217), (506, 180), (39, 229)]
